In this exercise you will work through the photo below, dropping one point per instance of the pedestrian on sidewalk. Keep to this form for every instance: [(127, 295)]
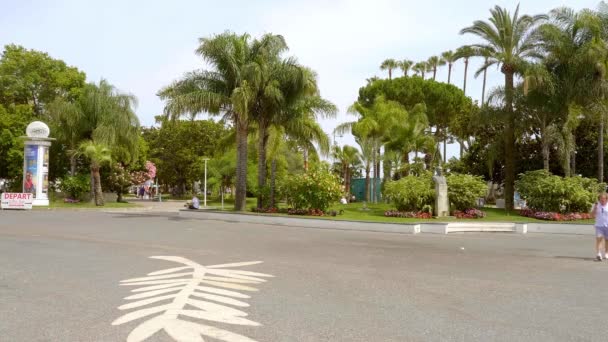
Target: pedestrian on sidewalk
[(600, 213)]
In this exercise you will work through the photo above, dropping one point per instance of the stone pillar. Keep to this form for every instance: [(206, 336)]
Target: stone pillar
[(36, 162), (442, 202)]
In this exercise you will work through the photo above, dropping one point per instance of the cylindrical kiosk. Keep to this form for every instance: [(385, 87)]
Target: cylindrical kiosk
[(36, 162)]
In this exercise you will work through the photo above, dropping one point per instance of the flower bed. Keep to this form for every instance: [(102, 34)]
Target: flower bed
[(553, 216), (470, 213), (408, 214), (265, 210)]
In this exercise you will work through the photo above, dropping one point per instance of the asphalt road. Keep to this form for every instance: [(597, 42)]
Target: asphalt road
[(60, 275)]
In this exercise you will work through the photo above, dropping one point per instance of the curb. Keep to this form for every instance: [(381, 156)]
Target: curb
[(388, 227)]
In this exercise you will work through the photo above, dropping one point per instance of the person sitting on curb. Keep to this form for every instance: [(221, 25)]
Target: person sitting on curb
[(195, 204)]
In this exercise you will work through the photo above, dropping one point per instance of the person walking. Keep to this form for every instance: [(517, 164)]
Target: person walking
[(600, 213)]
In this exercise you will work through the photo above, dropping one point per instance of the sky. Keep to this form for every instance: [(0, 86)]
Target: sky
[(141, 46)]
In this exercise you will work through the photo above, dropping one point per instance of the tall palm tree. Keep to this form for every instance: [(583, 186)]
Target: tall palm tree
[(229, 88), (390, 65), (449, 57), (98, 155), (405, 66), (420, 69), (465, 53), (509, 41), (433, 63), (287, 90)]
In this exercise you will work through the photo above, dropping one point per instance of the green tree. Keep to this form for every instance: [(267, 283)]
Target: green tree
[(230, 88), (390, 65), (509, 42), (13, 121), (176, 147), (30, 77)]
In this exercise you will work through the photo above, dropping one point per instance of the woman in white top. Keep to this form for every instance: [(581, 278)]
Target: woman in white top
[(600, 213)]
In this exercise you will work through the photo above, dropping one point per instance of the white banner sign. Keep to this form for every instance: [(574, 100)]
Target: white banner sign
[(15, 200)]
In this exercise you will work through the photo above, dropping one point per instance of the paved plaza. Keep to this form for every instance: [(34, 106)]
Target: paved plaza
[(68, 276)]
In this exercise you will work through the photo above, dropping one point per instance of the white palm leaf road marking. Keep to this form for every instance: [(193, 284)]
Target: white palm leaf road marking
[(192, 291)]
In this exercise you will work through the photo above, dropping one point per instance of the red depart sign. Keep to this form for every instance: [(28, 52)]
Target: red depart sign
[(16, 200)]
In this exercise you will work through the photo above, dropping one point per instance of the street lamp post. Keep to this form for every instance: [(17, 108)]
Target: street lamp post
[(205, 196)]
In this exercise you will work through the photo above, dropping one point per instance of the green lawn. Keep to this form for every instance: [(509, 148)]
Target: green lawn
[(375, 213), (84, 205)]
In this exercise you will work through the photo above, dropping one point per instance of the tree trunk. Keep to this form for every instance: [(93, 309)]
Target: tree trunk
[(545, 145), (377, 175), (387, 165), (509, 141), (600, 150), (466, 69), (366, 192), (483, 87), (405, 161), (262, 142), (445, 145), (434, 73), (461, 147), (73, 165), (390, 74), (347, 184), (273, 175), (119, 196), (92, 186), (305, 154), (97, 181), (241, 165), (449, 72)]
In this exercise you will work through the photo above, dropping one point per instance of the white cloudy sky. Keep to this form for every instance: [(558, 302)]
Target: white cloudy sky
[(140, 46)]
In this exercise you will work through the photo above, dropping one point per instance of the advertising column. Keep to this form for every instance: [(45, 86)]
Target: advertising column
[(36, 162)]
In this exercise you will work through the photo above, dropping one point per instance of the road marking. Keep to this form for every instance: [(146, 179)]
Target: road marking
[(175, 289)]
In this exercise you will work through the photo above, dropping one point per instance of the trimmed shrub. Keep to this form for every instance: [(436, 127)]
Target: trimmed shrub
[(76, 186), (545, 192), (464, 190), (411, 193), (316, 189)]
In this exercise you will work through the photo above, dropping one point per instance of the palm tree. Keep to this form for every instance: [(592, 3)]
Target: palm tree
[(465, 53), (390, 65), (433, 63), (367, 159), (230, 88), (508, 41), (374, 125), (283, 84), (100, 114), (406, 65), (420, 68), (348, 156), (449, 57), (98, 155)]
